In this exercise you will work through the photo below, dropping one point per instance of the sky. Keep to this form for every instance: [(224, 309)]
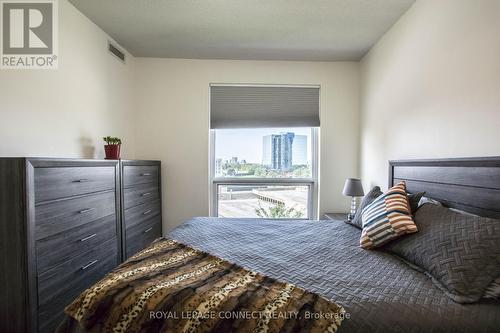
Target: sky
[(246, 143)]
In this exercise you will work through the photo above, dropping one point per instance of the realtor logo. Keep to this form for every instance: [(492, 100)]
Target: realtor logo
[(29, 34)]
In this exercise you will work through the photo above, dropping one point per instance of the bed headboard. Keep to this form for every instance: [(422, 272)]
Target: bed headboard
[(469, 184)]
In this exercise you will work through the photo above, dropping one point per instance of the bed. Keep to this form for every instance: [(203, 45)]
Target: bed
[(378, 291)]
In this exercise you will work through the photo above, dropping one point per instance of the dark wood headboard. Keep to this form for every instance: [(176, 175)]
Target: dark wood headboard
[(469, 184)]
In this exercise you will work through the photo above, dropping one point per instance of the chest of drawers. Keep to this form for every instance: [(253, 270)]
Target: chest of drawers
[(141, 204), (65, 223)]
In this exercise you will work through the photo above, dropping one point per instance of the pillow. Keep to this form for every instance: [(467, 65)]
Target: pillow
[(414, 199), (424, 200), (461, 253), (386, 218), (462, 212), (493, 291), (367, 199)]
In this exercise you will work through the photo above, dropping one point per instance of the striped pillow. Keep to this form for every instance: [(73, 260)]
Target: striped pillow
[(386, 218), (493, 290)]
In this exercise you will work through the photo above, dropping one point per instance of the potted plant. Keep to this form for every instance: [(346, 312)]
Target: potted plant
[(112, 147)]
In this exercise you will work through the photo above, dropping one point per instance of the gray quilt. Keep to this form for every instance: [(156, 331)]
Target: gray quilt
[(379, 291)]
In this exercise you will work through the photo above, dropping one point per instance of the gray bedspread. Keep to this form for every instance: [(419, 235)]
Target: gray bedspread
[(379, 291)]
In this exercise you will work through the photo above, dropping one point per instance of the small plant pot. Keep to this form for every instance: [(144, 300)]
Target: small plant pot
[(112, 152)]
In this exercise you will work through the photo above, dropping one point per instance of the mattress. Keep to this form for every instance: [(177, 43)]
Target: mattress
[(379, 292)]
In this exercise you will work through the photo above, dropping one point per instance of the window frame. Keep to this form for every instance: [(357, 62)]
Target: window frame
[(312, 183)]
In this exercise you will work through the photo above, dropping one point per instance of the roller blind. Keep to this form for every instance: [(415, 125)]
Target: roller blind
[(263, 106)]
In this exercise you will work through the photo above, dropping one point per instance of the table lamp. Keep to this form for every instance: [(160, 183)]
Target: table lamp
[(353, 188)]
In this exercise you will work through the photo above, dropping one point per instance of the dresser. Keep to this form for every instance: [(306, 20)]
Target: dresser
[(65, 223), (141, 204)]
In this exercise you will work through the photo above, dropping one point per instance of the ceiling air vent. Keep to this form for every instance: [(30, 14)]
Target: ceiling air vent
[(116, 52)]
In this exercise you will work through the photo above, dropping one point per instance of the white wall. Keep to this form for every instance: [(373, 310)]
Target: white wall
[(65, 112), (431, 86), (173, 123)]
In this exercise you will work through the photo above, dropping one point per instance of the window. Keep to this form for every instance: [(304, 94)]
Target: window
[(264, 172), (264, 151), (265, 201)]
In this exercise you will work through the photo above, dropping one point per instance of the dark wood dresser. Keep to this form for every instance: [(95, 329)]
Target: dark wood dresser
[(62, 228), (141, 205)]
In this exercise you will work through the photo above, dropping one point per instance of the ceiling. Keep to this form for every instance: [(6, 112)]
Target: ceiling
[(315, 30)]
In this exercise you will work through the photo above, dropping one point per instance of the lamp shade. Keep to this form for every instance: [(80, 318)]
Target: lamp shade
[(353, 188)]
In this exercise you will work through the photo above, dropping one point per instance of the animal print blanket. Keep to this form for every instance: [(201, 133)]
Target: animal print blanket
[(170, 287)]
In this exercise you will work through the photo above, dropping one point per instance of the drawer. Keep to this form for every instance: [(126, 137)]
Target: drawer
[(55, 217), (55, 183), (61, 285), (140, 174), (140, 236), (139, 194), (49, 324), (56, 249), (51, 314), (139, 214)]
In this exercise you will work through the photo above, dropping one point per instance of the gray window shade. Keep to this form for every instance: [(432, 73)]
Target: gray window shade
[(266, 106)]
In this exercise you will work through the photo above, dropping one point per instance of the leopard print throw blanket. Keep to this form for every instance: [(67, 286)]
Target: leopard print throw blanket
[(170, 287)]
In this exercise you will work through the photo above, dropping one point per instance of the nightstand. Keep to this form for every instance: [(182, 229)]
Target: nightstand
[(335, 216)]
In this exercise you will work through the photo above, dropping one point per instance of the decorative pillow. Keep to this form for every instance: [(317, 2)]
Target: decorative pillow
[(493, 291), (424, 200), (367, 199), (461, 253), (386, 218), (414, 199), (462, 212)]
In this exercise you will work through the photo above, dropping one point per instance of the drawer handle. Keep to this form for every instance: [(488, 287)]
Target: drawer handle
[(145, 174), (145, 194), (87, 238), (92, 263), (148, 229), (85, 180), (86, 210), (147, 212)]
